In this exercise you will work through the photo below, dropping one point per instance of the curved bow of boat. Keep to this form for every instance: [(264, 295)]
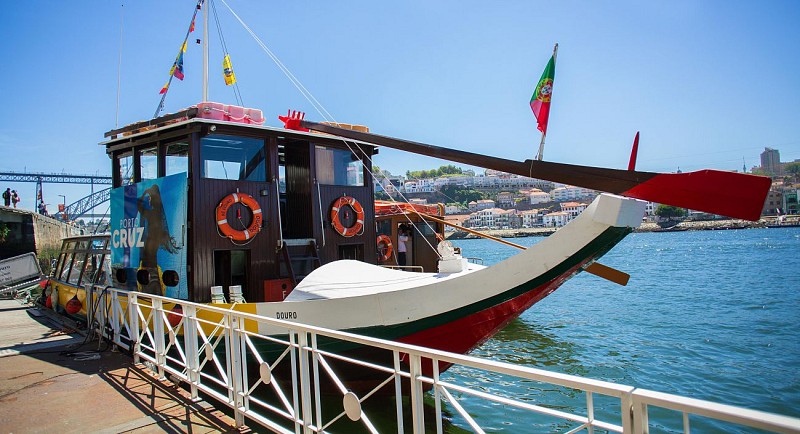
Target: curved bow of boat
[(417, 307)]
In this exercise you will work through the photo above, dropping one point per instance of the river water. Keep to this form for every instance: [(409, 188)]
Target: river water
[(712, 315)]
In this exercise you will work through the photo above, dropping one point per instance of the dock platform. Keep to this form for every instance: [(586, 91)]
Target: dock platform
[(51, 380)]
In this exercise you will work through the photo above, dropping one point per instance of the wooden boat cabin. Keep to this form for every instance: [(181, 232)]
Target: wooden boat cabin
[(210, 197)]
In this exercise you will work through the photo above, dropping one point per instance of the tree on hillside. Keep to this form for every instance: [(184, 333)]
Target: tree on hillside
[(434, 173), (459, 194), (669, 211), (793, 169)]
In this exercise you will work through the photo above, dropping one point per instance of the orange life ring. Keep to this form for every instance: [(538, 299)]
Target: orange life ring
[(384, 242), (337, 224), (222, 217)]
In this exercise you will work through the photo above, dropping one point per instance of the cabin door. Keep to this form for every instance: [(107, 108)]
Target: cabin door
[(231, 267), (297, 190), (424, 246)]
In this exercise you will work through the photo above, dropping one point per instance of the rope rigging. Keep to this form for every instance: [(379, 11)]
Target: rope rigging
[(236, 92), (326, 115), (177, 66)]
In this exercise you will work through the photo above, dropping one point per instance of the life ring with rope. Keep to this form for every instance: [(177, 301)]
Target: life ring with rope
[(385, 248), (222, 217), (357, 227)]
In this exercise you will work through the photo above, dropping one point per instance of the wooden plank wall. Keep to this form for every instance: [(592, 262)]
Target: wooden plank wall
[(206, 238)]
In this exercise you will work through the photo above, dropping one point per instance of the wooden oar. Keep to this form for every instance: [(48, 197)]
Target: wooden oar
[(599, 270), (470, 231), (730, 194)]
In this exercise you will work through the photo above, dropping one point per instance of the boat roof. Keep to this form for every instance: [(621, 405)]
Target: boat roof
[(89, 236), (188, 117), (385, 207)]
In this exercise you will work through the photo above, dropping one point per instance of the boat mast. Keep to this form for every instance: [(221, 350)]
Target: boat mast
[(205, 52), (119, 62)]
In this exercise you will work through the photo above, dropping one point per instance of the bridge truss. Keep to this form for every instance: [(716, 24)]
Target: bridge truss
[(75, 210)]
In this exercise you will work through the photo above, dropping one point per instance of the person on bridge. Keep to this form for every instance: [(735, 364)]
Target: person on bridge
[(7, 197)]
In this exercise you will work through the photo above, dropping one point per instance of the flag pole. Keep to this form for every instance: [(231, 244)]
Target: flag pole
[(205, 51), (540, 154), (119, 62)]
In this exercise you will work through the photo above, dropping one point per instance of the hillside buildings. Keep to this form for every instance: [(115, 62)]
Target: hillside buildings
[(771, 162)]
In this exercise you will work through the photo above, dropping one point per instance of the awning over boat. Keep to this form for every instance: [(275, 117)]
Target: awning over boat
[(346, 278), (383, 208)]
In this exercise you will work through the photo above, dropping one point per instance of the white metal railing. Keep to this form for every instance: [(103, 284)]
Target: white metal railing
[(296, 381)]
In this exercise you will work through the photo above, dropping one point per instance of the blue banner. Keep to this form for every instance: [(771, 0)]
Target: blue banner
[(148, 236)]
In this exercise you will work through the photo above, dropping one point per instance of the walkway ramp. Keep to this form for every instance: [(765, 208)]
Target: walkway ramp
[(51, 382)]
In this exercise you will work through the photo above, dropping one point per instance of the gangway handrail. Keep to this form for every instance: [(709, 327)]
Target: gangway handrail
[(141, 323)]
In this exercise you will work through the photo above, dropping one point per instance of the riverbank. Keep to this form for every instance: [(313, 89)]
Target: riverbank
[(711, 225)]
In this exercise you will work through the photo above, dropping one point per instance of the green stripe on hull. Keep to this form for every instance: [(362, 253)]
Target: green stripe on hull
[(595, 249)]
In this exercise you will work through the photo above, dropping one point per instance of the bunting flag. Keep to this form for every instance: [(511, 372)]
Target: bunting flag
[(540, 101), (227, 70), (177, 67)]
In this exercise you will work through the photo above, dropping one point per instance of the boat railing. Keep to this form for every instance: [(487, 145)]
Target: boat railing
[(478, 261), (289, 380), (414, 268)]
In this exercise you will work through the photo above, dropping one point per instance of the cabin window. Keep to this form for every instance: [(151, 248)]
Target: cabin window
[(338, 167), (148, 163), (384, 227), (282, 179), (77, 267), (65, 268), (177, 158), (126, 169), (95, 273), (233, 158), (77, 263), (65, 264), (424, 228), (65, 260)]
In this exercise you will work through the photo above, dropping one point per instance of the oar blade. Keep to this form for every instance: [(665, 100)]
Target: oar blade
[(608, 273), (729, 194)]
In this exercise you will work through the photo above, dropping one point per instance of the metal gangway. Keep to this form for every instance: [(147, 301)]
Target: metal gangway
[(299, 389)]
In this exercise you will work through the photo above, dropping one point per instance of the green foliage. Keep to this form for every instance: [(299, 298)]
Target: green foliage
[(792, 169), (4, 231), (669, 211), (461, 195), (45, 257), (435, 173)]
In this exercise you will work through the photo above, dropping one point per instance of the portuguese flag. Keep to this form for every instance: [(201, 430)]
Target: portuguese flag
[(540, 101)]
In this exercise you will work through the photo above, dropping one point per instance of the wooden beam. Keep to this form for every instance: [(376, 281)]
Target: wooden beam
[(730, 194), (608, 273)]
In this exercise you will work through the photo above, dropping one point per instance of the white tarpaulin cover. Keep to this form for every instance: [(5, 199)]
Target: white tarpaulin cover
[(347, 278)]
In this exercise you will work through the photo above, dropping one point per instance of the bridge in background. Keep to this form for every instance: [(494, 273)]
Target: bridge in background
[(75, 210)]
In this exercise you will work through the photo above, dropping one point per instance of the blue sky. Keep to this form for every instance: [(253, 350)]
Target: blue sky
[(708, 83)]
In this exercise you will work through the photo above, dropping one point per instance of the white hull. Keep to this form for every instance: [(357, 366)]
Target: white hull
[(345, 295)]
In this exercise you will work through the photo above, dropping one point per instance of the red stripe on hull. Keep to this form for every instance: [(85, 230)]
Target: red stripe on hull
[(466, 333)]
